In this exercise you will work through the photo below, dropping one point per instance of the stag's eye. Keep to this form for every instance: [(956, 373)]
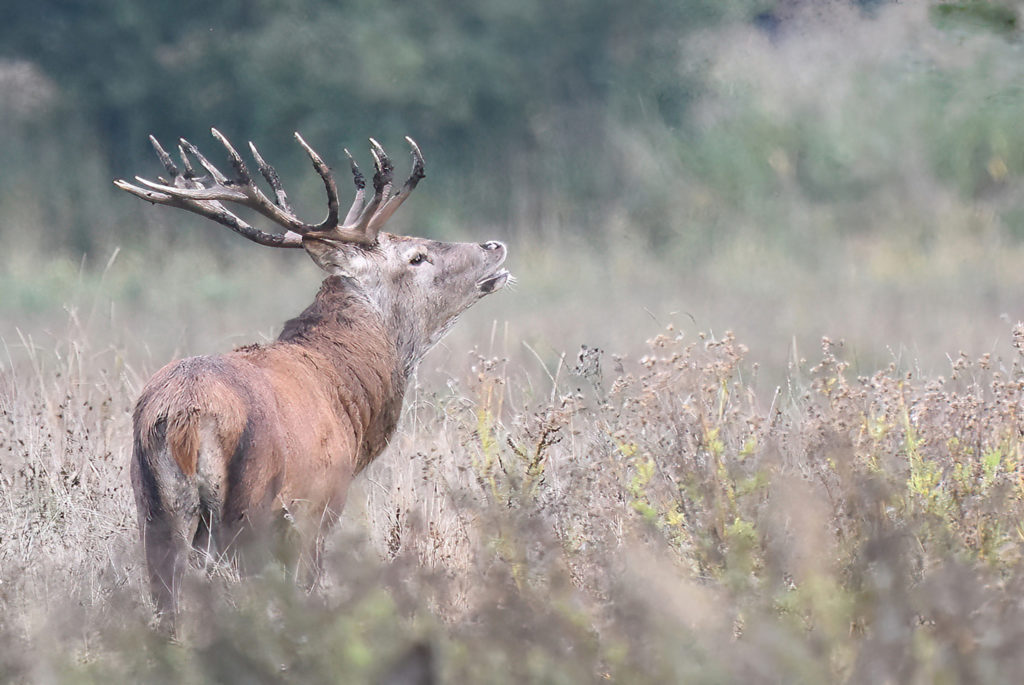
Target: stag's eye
[(418, 258)]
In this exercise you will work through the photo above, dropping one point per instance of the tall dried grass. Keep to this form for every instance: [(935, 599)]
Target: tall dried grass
[(644, 519)]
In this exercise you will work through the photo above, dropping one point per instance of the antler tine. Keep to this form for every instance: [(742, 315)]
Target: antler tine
[(198, 192), (357, 175), (418, 166), (165, 158), (237, 164), (396, 200), (381, 185), (385, 170), (218, 177), (331, 221), (147, 195), (273, 180), (360, 183), (186, 162)]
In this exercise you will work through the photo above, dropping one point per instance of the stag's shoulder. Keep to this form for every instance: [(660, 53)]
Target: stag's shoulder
[(340, 307)]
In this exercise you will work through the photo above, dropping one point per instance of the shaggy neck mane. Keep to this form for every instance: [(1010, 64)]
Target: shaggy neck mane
[(346, 338)]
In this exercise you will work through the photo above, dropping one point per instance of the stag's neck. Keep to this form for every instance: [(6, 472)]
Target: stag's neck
[(343, 330)]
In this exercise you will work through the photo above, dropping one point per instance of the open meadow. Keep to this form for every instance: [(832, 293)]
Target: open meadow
[(753, 411)]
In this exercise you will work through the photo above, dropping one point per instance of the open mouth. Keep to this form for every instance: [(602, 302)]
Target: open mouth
[(495, 281)]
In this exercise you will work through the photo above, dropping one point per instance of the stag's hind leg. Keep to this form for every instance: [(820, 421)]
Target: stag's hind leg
[(168, 510), (166, 560)]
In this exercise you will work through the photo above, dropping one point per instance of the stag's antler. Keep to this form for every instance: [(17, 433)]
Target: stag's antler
[(205, 194)]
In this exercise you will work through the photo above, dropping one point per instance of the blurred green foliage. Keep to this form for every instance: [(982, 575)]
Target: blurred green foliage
[(693, 126), (464, 69), (481, 82), (995, 16)]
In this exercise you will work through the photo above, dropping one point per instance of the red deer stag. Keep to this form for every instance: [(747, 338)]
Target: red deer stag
[(227, 447)]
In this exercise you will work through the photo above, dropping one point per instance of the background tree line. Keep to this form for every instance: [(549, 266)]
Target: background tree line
[(484, 85), (532, 113), (498, 91)]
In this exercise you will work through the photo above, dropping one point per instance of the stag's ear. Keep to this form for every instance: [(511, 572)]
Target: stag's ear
[(338, 258)]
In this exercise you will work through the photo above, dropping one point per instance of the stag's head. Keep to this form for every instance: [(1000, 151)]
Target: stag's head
[(418, 285)]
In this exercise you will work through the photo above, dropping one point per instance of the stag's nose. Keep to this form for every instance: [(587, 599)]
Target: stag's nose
[(492, 245)]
